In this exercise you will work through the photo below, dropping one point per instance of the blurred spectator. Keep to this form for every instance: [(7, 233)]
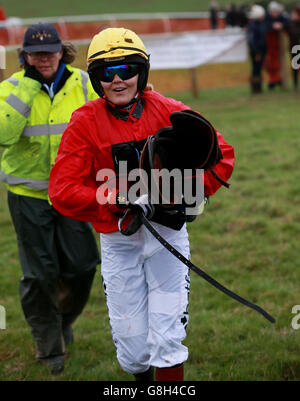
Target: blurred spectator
[(2, 14), (242, 19), (213, 11), (231, 17), (294, 36), (277, 22), (256, 36)]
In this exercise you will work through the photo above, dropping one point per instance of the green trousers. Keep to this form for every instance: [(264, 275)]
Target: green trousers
[(58, 258)]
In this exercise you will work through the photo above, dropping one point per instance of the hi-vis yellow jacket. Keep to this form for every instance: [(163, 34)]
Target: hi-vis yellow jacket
[(31, 126)]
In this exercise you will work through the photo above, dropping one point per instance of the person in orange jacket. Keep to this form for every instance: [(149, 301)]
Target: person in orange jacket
[(276, 23), (146, 287), (2, 14)]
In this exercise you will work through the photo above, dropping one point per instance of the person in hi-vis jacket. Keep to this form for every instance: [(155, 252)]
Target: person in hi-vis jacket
[(58, 255)]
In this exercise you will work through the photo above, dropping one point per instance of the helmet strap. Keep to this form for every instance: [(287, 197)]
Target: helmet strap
[(134, 108)]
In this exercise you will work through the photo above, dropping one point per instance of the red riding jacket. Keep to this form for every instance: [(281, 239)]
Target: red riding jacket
[(86, 148)]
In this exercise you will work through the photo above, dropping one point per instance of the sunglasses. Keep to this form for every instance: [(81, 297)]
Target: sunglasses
[(124, 71)]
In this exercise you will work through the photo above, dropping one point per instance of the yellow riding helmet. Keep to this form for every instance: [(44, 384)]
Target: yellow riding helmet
[(115, 42), (112, 46)]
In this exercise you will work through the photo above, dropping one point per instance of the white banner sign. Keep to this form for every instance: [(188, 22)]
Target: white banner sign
[(191, 49)]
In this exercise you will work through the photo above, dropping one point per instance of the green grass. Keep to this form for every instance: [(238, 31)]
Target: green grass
[(49, 8), (247, 239)]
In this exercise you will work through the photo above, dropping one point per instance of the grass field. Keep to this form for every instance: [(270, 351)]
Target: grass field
[(48, 8), (247, 238)]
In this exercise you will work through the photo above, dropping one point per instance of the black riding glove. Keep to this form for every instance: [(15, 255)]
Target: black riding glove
[(142, 206)]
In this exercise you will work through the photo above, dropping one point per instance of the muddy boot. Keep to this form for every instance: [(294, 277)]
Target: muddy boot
[(55, 364), (256, 85)]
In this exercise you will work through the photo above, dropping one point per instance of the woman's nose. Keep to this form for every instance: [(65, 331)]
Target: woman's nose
[(117, 78)]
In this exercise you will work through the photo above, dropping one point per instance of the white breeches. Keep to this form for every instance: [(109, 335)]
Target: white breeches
[(147, 292)]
